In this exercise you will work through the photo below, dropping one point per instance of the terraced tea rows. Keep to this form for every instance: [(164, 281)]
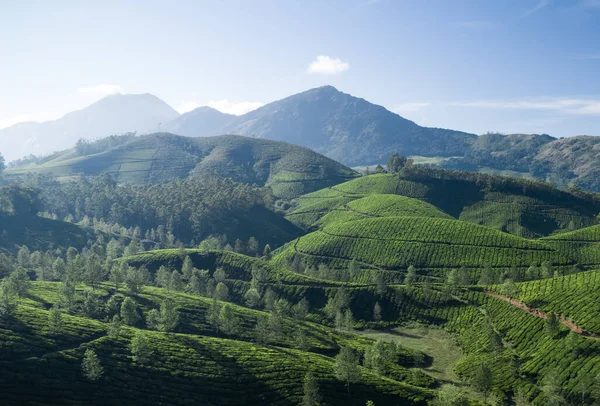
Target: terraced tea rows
[(398, 242)]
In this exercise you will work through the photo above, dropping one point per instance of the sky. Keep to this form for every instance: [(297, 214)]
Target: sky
[(527, 66)]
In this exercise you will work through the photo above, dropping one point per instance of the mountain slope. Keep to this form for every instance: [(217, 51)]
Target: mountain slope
[(115, 114), (288, 169), (338, 125), (524, 208)]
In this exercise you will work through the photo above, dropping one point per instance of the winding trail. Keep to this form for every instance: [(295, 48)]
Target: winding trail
[(538, 313)]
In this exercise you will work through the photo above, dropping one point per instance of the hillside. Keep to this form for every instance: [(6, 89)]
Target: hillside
[(288, 169), (115, 114), (573, 160), (524, 208), (42, 234), (348, 129)]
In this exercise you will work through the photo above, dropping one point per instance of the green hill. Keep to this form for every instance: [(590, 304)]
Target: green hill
[(42, 234), (191, 365), (427, 243), (524, 208), (288, 169)]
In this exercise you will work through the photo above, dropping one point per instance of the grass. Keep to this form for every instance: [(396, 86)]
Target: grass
[(437, 343)]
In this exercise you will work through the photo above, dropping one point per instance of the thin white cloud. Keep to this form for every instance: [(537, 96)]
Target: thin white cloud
[(102, 89), (327, 65), (224, 106), (573, 106), (22, 118), (539, 6), (409, 107)]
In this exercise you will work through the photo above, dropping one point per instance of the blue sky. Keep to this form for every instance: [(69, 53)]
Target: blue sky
[(474, 65)]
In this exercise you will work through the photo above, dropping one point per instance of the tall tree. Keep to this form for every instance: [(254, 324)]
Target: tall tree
[(311, 397), (377, 312), (267, 253), (552, 324), (222, 292), (140, 348), (56, 324), (346, 367), (252, 247), (8, 300), (129, 313), (91, 366), (411, 276), (483, 380), (228, 321)]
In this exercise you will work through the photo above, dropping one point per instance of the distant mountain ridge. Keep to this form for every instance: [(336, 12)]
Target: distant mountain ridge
[(343, 127), (114, 114)]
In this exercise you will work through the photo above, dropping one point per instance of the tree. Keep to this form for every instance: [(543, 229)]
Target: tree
[(56, 324), (252, 247), (380, 282), (510, 289), (2, 164), (91, 366), (168, 316), (163, 277), (220, 275), (552, 324), (571, 341), (311, 397), (521, 398), (176, 282), (275, 324), (346, 367), (129, 313), (463, 276), (222, 292), (252, 298), (547, 269), (487, 276), (134, 280), (23, 256), (8, 300), (59, 269), (533, 272), (239, 246), (114, 327), (450, 395), (140, 348), (301, 309), (411, 276), (379, 169), (94, 271), (551, 389), (374, 357), (91, 303), (267, 255), (377, 312), (19, 282), (187, 268), (228, 321), (396, 163), (483, 380), (262, 332)]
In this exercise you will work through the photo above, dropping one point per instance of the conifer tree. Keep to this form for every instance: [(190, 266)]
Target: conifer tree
[(346, 367), (129, 313), (91, 366), (311, 397), (140, 348), (56, 324)]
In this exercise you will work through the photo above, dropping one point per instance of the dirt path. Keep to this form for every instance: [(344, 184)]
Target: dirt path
[(538, 313)]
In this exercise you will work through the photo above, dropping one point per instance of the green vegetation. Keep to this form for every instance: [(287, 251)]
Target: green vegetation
[(288, 169), (524, 208)]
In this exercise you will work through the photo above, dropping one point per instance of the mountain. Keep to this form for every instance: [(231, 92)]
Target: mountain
[(203, 121), (115, 114), (288, 169), (348, 129)]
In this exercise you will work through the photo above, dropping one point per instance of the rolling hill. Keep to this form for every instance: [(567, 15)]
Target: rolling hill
[(524, 208), (158, 158)]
